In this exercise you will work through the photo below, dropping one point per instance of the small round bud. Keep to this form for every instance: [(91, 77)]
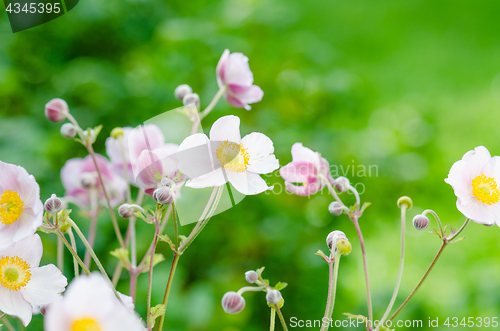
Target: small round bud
[(335, 208), (280, 304), (163, 195), (182, 90), (167, 182), (344, 246), (405, 201), (273, 297), (251, 276), (126, 211), (420, 222), (342, 184), (334, 236), (233, 303), (56, 110), (68, 130), (89, 179), (53, 205), (191, 98), (116, 133)]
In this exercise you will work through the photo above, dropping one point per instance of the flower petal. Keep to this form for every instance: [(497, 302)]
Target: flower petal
[(194, 156), (260, 149), (304, 190), (226, 128), (301, 153), (144, 137), (12, 303), (214, 178), (298, 172), (247, 183), (221, 67), (29, 249), (45, 285), (237, 70)]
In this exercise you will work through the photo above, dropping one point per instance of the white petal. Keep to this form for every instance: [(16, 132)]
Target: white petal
[(301, 153), (194, 156), (460, 179), (45, 285), (260, 149), (226, 128), (478, 212), (214, 178), (476, 159), (29, 249), (247, 183), (12, 303)]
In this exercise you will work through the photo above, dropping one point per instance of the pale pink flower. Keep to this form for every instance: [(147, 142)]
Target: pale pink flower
[(90, 304), (226, 157), (308, 170), (25, 286), (80, 180), (475, 181), (21, 209), (135, 140), (233, 73)]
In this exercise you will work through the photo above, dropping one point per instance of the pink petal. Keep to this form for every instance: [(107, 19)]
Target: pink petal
[(221, 66), (298, 172)]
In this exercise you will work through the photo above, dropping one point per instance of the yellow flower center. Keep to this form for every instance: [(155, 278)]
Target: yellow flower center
[(11, 207), (86, 324), (14, 273), (232, 156), (485, 189)]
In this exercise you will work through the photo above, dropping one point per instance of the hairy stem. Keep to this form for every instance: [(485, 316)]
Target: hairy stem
[(175, 261), (273, 319), (73, 245), (332, 290), (150, 274), (60, 254), (75, 255), (282, 319)]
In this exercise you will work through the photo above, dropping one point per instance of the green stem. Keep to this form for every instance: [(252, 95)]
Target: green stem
[(176, 230), (273, 319), (214, 101), (125, 168), (332, 290), (282, 320), (150, 275), (73, 244), (60, 254), (75, 256), (175, 261), (8, 325)]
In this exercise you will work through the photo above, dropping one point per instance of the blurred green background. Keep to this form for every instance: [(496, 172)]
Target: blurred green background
[(406, 86)]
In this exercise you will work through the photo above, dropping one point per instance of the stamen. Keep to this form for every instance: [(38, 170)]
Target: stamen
[(14, 273), (485, 190), (11, 207)]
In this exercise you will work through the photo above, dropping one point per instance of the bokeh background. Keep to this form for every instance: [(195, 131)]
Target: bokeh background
[(406, 86)]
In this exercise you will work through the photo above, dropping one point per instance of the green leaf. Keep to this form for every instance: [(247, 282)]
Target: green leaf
[(280, 286), (155, 312), (122, 255), (156, 259)]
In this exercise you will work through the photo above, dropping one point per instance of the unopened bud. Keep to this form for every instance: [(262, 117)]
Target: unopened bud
[(335, 208), (167, 182), (56, 110), (191, 98), (182, 90), (405, 201), (273, 297), (342, 184), (334, 236), (53, 205), (116, 133), (163, 195), (68, 130), (344, 246), (420, 222), (126, 211), (280, 304), (251, 276), (89, 179), (233, 303)]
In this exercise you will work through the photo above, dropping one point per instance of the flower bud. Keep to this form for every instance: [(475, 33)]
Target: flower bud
[(68, 130), (342, 184), (167, 182), (191, 98), (334, 236), (251, 276), (335, 208), (126, 211), (89, 179), (420, 222), (53, 205), (280, 304), (233, 303), (273, 297), (116, 133), (405, 201), (344, 246), (56, 110), (182, 90), (163, 195)]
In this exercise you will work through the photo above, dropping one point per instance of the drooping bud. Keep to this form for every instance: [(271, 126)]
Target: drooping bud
[(273, 297), (344, 246), (342, 184), (333, 237), (163, 195), (53, 205), (191, 98), (116, 133), (126, 211), (251, 276), (182, 90), (233, 303), (420, 222), (335, 208), (405, 201), (68, 130), (56, 110)]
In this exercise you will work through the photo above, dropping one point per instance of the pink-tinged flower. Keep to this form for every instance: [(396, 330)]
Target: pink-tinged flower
[(21, 209), (234, 74), (90, 304), (135, 140), (226, 157), (81, 181), (25, 286), (475, 181), (56, 110), (308, 170)]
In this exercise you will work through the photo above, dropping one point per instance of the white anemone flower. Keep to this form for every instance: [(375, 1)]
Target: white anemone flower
[(90, 304), (475, 181), (226, 157), (21, 209), (24, 285)]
